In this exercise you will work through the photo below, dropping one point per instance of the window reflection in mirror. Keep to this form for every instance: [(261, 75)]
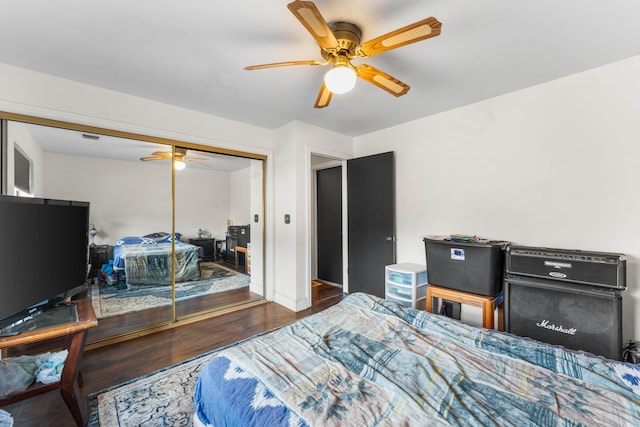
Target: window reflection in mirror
[(22, 173), (129, 185)]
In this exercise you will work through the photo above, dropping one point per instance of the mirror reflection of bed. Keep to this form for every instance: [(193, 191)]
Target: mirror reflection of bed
[(135, 205), (135, 276)]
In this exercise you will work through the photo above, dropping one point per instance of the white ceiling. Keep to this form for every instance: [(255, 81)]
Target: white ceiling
[(191, 53)]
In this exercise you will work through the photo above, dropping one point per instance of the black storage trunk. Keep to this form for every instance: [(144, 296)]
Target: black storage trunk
[(474, 267)]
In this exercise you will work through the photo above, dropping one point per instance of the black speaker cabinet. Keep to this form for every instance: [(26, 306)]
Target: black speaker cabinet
[(230, 249), (574, 316)]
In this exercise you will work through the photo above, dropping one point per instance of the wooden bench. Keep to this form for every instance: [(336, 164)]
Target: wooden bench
[(488, 304)]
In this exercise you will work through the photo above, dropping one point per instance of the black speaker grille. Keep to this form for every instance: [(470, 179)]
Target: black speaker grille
[(574, 317)]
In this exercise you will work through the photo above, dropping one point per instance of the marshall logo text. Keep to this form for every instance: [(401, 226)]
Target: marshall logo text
[(545, 324)]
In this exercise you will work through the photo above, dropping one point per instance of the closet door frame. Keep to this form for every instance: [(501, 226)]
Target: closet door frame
[(171, 144)]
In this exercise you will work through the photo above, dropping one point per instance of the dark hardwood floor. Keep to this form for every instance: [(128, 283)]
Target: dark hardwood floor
[(123, 324), (113, 364)]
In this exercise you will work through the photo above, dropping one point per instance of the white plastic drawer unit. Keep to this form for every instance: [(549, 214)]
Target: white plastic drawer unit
[(406, 274), (407, 292), (406, 284), (401, 301)]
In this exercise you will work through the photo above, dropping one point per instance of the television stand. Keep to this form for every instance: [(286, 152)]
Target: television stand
[(39, 317), (75, 333)]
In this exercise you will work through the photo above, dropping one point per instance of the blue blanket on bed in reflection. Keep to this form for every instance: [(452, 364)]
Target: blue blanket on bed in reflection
[(147, 260)]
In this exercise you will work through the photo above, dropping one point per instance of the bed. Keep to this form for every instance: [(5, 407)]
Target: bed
[(147, 260), (368, 361)]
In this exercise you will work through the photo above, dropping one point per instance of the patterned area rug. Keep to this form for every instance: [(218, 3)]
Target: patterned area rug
[(111, 301), (162, 398)]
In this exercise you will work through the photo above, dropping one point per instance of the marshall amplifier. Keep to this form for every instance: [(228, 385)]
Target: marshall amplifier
[(599, 269), (574, 316), (242, 233)]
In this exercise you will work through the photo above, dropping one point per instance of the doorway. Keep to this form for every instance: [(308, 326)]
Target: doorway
[(366, 225), (327, 260), (329, 224)]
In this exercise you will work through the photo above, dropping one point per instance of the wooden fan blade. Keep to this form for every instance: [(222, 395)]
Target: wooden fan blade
[(324, 97), (309, 15), (382, 80), (196, 162), (283, 64), (163, 154), (152, 158), (415, 32)]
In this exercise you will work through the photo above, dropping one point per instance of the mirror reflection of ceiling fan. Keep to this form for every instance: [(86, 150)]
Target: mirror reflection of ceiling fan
[(181, 158), (340, 43)]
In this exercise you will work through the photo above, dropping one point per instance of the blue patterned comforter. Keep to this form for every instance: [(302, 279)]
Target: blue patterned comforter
[(368, 361)]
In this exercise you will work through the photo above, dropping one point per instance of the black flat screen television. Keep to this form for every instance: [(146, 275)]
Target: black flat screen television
[(43, 251)]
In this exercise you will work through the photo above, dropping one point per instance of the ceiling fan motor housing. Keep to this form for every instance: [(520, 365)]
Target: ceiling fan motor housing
[(348, 36)]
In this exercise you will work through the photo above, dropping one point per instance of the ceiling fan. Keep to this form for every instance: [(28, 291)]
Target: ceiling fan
[(181, 158), (340, 43)]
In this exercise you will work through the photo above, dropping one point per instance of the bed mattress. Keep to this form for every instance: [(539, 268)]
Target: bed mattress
[(368, 361)]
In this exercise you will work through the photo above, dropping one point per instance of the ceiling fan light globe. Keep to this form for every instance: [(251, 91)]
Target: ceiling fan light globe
[(179, 165), (340, 79)]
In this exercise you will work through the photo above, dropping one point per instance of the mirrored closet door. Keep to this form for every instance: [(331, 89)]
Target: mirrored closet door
[(151, 202), (217, 201)]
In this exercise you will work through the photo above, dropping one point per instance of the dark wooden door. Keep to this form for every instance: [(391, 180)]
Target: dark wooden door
[(371, 213), (329, 224)]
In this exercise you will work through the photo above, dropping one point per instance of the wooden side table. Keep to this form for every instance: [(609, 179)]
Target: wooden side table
[(75, 334), (488, 304), (98, 255), (240, 249), (208, 245)]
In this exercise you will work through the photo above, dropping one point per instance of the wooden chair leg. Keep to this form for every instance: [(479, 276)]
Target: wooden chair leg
[(69, 382), (487, 315)]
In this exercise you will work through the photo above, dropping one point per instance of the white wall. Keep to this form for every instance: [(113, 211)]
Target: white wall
[(288, 260), (294, 146), (134, 199), (202, 201), (28, 92), (123, 198), (240, 197), (554, 165)]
